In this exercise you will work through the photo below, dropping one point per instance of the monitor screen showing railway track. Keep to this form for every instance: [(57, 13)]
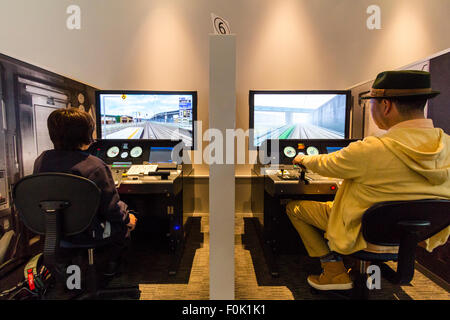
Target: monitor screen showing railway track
[(298, 115), (147, 115)]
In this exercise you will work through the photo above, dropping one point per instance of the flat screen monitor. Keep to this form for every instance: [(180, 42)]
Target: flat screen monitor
[(161, 155), (147, 115), (333, 149), (298, 115)]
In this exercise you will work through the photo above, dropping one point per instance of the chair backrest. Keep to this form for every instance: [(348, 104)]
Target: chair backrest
[(380, 223), (81, 198)]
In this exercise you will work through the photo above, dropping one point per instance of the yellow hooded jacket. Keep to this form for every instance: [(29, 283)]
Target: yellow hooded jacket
[(403, 164)]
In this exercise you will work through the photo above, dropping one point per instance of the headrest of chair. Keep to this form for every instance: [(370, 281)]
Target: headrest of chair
[(82, 194)]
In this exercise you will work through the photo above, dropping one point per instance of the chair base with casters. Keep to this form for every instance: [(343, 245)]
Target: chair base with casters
[(397, 223), (92, 290)]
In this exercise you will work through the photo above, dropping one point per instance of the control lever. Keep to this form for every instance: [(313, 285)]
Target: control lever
[(163, 174), (301, 176)]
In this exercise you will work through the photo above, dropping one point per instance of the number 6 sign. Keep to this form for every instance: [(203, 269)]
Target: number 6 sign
[(221, 26)]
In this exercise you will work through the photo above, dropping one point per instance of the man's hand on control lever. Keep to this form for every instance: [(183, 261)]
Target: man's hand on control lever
[(132, 224), (298, 160)]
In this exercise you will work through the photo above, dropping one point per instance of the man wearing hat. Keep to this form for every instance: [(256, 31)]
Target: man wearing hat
[(409, 162)]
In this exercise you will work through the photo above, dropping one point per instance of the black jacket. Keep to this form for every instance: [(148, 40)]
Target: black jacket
[(85, 165)]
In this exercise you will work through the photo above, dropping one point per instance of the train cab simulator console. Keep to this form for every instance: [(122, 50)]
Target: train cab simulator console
[(280, 181), (138, 131), (149, 181)]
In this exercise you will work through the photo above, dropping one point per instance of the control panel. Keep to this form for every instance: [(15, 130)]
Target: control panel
[(138, 161), (289, 149), (284, 178)]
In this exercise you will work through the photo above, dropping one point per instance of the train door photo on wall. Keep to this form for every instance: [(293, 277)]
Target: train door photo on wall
[(36, 102), (4, 201)]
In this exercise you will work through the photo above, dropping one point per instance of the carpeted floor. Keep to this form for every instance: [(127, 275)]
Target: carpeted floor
[(147, 266), (252, 278)]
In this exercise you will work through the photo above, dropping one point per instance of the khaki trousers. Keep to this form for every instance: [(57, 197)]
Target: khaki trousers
[(308, 218)]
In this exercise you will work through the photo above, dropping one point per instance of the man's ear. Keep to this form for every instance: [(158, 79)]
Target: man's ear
[(387, 106)]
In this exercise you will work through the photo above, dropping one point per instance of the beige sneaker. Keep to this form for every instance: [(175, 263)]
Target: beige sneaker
[(333, 277)]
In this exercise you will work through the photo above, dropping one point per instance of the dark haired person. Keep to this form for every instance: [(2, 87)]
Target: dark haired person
[(409, 162), (71, 133)]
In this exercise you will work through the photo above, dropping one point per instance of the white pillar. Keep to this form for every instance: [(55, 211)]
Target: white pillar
[(222, 116)]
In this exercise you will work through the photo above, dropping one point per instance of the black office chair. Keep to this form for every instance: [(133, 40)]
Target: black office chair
[(398, 223), (60, 205)]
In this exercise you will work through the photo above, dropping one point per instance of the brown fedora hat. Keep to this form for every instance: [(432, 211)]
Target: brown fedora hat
[(397, 84)]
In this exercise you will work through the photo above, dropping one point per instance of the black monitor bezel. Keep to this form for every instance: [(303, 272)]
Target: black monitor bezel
[(194, 108), (251, 102)]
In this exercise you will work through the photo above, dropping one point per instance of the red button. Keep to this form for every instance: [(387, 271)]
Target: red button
[(31, 279)]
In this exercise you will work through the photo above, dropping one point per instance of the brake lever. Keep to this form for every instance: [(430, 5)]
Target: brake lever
[(302, 177)]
